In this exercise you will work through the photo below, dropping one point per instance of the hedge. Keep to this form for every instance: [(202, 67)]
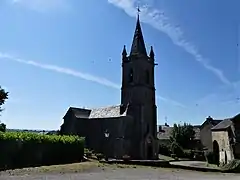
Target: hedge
[(25, 149)]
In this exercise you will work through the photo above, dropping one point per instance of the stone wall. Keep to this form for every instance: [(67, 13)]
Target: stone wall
[(119, 128), (206, 136), (225, 150)]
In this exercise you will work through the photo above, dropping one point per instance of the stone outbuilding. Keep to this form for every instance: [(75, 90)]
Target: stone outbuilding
[(206, 133), (226, 140)]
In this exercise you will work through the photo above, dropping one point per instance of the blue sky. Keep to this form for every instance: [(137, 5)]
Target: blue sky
[(55, 54)]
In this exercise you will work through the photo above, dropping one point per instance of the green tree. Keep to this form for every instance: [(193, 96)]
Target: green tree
[(3, 97), (182, 135), (2, 127)]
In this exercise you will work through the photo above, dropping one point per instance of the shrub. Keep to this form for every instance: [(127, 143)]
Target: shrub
[(176, 149), (99, 156), (233, 166), (23, 149), (88, 152), (126, 157), (210, 157), (164, 150), (188, 154), (199, 155)]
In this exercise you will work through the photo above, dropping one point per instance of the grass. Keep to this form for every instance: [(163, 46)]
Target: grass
[(65, 168)]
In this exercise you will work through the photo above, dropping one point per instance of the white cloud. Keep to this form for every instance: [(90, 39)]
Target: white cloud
[(42, 5), (78, 74), (157, 19)]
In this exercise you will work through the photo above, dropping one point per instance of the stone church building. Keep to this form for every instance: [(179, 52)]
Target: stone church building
[(131, 126)]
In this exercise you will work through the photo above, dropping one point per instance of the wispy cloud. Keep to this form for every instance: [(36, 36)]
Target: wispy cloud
[(175, 103), (157, 19), (78, 74), (63, 70), (42, 5), (222, 95)]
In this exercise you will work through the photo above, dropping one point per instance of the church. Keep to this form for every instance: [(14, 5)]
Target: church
[(131, 127)]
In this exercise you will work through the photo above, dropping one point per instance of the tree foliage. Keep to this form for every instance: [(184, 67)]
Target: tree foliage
[(182, 135), (2, 127), (3, 97)]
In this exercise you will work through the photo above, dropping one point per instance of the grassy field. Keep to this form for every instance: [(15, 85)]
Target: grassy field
[(66, 168)]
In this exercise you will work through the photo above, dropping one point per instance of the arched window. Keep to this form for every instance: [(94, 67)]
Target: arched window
[(147, 77), (130, 76)]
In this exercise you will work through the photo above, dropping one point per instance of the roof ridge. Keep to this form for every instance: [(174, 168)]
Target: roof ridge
[(104, 107)]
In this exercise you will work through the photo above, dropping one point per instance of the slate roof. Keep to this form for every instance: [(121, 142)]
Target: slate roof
[(224, 124), (214, 122), (112, 111), (165, 132), (210, 120), (138, 45), (103, 112), (80, 112)]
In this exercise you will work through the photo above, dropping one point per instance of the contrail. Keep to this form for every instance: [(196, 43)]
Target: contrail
[(78, 74), (158, 20), (64, 70)]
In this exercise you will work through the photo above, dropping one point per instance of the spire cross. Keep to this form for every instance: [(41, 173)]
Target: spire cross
[(138, 10)]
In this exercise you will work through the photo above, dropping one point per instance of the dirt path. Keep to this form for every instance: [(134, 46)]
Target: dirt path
[(117, 173)]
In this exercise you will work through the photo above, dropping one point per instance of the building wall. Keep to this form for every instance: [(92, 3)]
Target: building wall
[(94, 130), (206, 136), (225, 150)]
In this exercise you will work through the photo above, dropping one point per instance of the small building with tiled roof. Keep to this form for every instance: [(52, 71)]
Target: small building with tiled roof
[(164, 133), (206, 133), (226, 139)]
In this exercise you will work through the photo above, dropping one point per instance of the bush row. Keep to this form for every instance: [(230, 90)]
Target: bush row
[(25, 149), (178, 151)]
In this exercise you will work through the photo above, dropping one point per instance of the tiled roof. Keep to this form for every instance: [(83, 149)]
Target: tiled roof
[(223, 124), (104, 112), (165, 132)]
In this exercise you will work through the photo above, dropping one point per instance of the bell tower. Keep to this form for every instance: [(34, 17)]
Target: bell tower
[(138, 93)]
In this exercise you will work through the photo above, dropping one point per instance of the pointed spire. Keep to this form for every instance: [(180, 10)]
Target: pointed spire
[(151, 54), (124, 52), (138, 45)]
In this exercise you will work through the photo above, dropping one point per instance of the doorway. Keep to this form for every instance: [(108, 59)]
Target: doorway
[(215, 152)]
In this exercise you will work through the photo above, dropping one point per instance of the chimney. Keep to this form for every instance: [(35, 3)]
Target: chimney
[(209, 118)]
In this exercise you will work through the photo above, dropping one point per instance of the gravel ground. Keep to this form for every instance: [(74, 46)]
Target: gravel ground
[(125, 174)]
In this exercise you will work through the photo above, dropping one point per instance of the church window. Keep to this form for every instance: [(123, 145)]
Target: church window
[(147, 76), (130, 76)]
